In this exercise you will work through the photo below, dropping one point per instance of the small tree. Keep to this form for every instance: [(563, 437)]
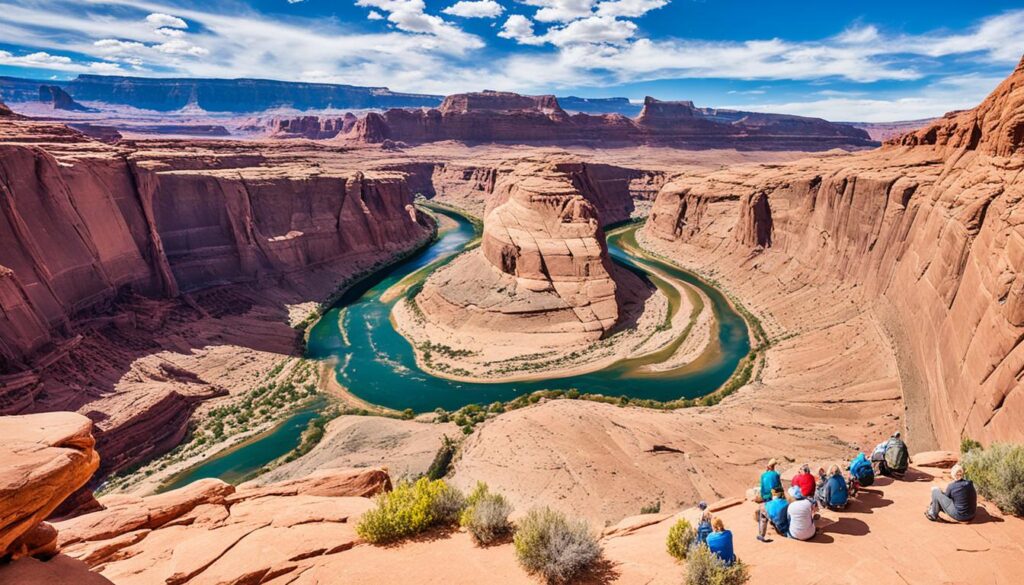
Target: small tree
[(680, 539)]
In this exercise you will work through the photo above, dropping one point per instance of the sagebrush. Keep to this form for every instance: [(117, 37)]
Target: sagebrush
[(553, 547), (680, 539), (486, 515), (410, 509), (705, 568), (998, 473)]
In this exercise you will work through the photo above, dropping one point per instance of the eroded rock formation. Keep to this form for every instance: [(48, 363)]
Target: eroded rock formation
[(59, 99), (45, 457), (929, 232), (311, 127), (542, 268), (507, 117)]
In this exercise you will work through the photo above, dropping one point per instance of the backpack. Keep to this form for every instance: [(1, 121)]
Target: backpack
[(896, 456), (862, 470)]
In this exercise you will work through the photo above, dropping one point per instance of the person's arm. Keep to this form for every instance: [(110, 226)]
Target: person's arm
[(949, 490)]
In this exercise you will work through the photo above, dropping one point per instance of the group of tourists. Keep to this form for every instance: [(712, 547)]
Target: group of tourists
[(792, 513)]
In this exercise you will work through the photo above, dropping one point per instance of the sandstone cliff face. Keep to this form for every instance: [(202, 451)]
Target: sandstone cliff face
[(311, 127), (542, 267), (59, 99), (507, 117), (76, 234), (932, 234), (45, 458)]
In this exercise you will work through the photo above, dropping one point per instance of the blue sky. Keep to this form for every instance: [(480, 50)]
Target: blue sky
[(866, 60)]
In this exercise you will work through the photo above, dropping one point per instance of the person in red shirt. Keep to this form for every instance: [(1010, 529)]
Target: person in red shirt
[(805, 481)]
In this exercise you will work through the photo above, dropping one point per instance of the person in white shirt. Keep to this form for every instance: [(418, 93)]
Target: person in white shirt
[(801, 517)]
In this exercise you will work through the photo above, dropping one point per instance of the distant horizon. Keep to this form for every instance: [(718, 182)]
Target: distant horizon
[(873, 62)]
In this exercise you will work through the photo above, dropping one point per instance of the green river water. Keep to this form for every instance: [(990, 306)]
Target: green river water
[(378, 364)]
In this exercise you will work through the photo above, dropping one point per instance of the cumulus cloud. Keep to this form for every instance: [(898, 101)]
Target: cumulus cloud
[(159, 19), (591, 30), (560, 10), (629, 8), (410, 16), (374, 15), (475, 9), (520, 29)]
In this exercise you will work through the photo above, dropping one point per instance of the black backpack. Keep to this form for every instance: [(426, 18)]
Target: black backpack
[(896, 456)]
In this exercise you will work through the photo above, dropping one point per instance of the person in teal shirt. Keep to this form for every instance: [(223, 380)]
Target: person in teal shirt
[(720, 542), (770, 480)]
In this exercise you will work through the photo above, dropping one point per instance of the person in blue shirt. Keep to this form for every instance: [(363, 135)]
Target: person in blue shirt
[(833, 492), (703, 528), (770, 480), (862, 474), (773, 512), (720, 542)]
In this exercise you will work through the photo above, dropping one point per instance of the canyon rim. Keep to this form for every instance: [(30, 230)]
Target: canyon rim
[(266, 320)]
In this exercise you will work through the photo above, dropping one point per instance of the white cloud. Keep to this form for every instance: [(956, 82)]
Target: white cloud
[(629, 8), (475, 9), (159, 20), (560, 10), (409, 16), (520, 29), (180, 47), (591, 30), (374, 15), (170, 32)]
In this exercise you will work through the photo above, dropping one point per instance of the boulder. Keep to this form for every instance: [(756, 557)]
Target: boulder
[(938, 459), (46, 457)]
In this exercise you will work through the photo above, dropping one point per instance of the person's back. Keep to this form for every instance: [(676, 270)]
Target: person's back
[(805, 481), (776, 510), (836, 494), (770, 480), (801, 519), (703, 531), (862, 471), (720, 544), (965, 499)]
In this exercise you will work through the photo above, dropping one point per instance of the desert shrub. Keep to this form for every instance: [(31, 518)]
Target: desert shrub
[(704, 568), (968, 444), (998, 473), (486, 515), (410, 509), (442, 459), (651, 508), (680, 539), (553, 547)]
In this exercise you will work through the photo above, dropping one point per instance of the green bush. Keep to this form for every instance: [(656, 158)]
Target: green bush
[(553, 547), (968, 444), (651, 508), (442, 459), (486, 515), (998, 473), (410, 509), (704, 568), (680, 539)]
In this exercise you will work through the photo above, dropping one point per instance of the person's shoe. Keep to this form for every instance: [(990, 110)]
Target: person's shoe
[(762, 539), (930, 517)]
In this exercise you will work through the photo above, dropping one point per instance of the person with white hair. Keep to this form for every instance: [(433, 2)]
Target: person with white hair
[(959, 501)]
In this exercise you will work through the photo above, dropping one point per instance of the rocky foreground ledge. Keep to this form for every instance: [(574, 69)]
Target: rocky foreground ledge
[(302, 531)]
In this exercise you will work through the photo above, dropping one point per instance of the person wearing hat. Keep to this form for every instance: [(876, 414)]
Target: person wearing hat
[(770, 480), (891, 456), (800, 514), (774, 512), (959, 501)]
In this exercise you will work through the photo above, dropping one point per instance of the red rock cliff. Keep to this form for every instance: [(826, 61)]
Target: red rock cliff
[(930, 230)]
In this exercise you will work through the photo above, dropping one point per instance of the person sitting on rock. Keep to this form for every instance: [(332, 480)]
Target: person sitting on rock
[(770, 480), (891, 456), (959, 501), (720, 542), (833, 492), (704, 526), (805, 481), (800, 514), (862, 473), (773, 512)]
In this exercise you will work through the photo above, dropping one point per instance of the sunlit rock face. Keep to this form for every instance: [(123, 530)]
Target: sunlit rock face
[(542, 267)]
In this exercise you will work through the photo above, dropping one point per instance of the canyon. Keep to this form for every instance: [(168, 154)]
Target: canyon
[(143, 282)]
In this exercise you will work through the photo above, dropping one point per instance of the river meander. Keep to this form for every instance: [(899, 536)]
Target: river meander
[(377, 364)]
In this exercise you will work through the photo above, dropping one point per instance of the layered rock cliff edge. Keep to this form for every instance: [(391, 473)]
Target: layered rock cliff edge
[(929, 233), (492, 116), (542, 267)]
